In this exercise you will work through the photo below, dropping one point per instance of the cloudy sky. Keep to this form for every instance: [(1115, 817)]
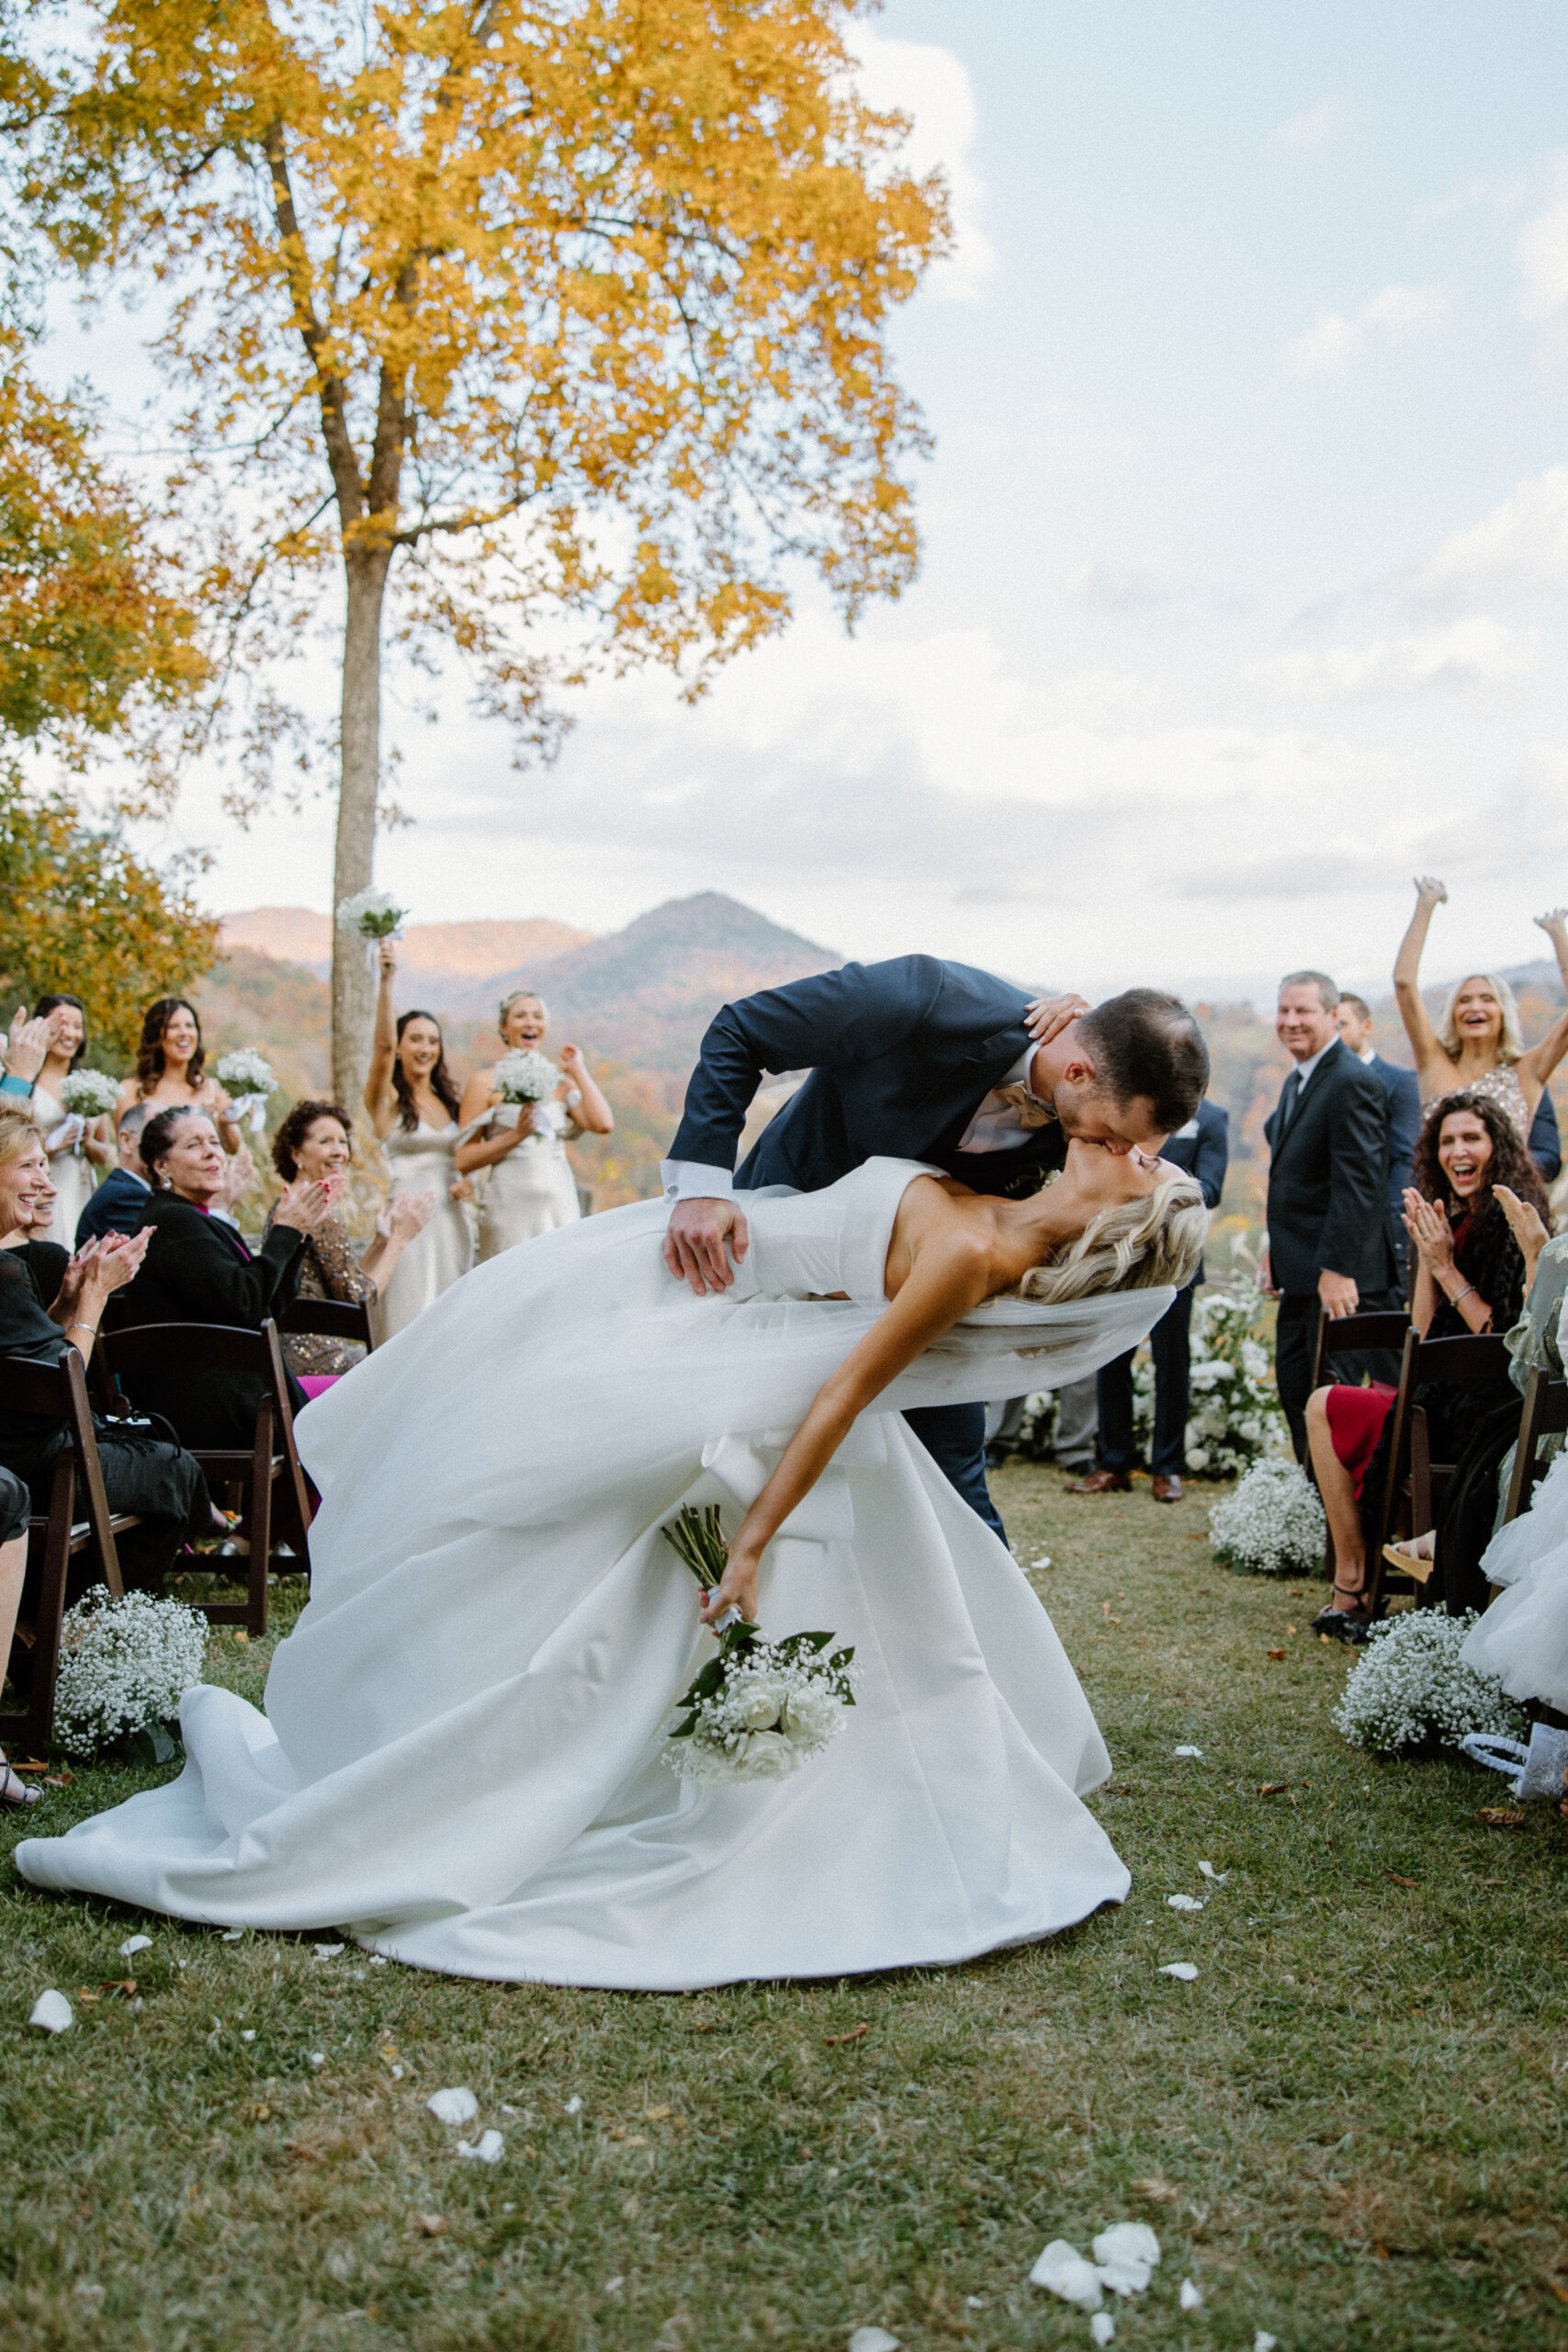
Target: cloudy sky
[(1245, 538)]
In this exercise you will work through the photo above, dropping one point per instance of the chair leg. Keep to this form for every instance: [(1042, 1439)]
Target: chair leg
[(261, 1553), (36, 1724)]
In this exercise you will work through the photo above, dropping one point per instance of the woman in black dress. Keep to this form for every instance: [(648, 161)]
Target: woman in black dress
[(198, 1269)]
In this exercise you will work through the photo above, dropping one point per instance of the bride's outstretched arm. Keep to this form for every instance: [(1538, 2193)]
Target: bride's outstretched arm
[(949, 1277)]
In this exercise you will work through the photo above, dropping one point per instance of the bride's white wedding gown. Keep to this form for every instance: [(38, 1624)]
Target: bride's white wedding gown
[(458, 1758)]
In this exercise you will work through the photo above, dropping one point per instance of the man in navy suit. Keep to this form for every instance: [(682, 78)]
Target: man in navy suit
[(1353, 1019), (1202, 1147), (916, 1058), (120, 1203)]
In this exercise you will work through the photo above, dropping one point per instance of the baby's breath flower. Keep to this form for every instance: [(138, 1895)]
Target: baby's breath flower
[(1272, 1525), (124, 1664), (1411, 1685)]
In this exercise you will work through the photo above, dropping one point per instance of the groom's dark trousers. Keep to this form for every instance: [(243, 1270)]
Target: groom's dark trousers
[(898, 1058)]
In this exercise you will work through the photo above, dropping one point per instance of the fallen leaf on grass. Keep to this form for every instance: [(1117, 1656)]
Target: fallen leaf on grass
[(856, 2033), (1399, 1881), (51, 2012), (1559, 2289), (1277, 1654), (430, 2225), (656, 2114), (1498, 1816), (262, 2112), (1273, 1788), (83, 1993), (1158, 2191)]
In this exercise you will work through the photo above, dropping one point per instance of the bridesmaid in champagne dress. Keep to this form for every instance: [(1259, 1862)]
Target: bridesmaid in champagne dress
[(411, 1097), (528, 1187)]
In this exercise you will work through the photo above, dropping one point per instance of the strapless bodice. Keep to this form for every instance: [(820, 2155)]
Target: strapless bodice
[(823, 1245)]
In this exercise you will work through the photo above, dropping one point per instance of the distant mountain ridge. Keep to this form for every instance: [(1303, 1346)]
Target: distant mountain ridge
[(444, 957)]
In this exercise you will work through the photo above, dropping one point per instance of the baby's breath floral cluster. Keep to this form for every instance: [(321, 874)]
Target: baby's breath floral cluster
[(1410, 1686), (245, 1071), (1272, 1525), (373, 913), (124, 1664), (1234, 1420), (89, 1093), (526, 1075), (759, 1709)]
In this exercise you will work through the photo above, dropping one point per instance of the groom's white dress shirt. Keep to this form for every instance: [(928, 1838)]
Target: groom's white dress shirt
[(997, 1125)]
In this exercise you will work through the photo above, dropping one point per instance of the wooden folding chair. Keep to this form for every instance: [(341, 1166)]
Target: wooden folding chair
[(1413, 1486), (55, 1537), (1545, 1415), (270, 1461), (328, 1319), (1347, 1335)]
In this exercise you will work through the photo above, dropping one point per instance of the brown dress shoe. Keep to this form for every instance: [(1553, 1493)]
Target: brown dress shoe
[(1166, 1490), (1103, 1482)]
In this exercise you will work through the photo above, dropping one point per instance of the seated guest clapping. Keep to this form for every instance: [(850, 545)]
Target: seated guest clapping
[(198, 1270), (141, 1472), (312, 1143), (1471, 1278), (119, 1204)]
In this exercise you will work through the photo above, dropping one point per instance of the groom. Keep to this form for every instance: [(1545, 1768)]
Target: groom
[(919, 1059)]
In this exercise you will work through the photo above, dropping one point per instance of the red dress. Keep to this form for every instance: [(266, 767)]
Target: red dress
[(1356, 1417)]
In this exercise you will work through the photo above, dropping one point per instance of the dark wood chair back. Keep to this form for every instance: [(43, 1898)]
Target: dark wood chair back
[(60, 1392), (1353, 1333), (270, 1461), (1545, 1415), (328, 1319), (1413, 1485)]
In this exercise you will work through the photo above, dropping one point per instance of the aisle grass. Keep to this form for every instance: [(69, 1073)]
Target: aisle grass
[(1348, 2130)]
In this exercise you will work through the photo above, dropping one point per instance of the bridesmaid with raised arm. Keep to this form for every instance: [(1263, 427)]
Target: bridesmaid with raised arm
[(529, 1188), (76, 1146), (170, 1070), (1479, 1049), (411, 1097)]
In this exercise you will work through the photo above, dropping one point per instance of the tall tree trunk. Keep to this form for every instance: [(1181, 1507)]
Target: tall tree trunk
[(354, 988)]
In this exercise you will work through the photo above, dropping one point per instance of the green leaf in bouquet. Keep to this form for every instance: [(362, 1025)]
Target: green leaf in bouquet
[(150, 1745)]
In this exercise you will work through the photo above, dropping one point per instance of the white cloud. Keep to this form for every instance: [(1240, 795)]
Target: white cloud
[(932, 88), (1540, 253), (1314, 127), (1519, 548), (1395, 311), (1477, 651)]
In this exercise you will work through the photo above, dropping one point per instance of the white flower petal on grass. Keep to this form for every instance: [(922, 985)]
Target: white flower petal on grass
[(873, 2339), (1184, 1903), (230, 1936), (1263, 2341), (1188, 1751), (249, 2033), (1102, 2327), (1182, 1969), (327, 1952), (51, 2012), (1207, 1870), (573, 2106), (1127, 2254), (1063, 2269), (377, 1960), (1191, 2297), (453, 2105), (489, 2149), (318, 2057), (133, 1944)]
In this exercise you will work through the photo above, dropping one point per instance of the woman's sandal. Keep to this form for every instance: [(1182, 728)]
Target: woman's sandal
[(15, 1793), (1344, 1624), (1419, 1564)]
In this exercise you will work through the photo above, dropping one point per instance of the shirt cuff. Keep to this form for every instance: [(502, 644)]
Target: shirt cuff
[(689, 1179), (11, 1084)]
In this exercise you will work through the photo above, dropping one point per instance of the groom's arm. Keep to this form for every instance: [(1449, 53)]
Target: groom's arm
[(848, 1015), (853, 1014)]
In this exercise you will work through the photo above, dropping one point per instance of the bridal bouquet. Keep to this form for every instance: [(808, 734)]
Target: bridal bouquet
[(375, 915), (525, 1076), (759, 1709), (247, 1078), (89, 1093)]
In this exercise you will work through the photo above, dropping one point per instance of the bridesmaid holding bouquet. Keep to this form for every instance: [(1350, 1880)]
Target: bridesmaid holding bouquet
[(516, 1117)]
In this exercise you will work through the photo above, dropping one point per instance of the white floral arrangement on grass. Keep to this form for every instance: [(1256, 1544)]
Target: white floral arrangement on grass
[(374, 914), (526, 1075), (1272, 1525), (247, 1078), (89, 1093), (759, 1709), (125, 1665), (1234, 1419), (1411, 1686)]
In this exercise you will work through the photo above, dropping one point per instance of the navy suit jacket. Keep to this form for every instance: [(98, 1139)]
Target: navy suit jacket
[(120, 1204), (1328, 1180), (1205, 1156), (1545, 1146), (901, 1055), (1404, 1128)]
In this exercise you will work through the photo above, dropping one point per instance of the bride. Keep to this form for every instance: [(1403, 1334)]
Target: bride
[(459, 1756)]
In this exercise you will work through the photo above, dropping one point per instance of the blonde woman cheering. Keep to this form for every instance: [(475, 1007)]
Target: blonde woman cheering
[(528, 1187), (1478, 1048)]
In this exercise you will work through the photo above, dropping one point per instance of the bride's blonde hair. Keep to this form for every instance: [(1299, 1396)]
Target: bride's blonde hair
[(1137, 1246)]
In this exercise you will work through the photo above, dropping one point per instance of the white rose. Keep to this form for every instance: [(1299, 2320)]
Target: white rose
[(766, 1755), (811, 1714), (757, 1704)]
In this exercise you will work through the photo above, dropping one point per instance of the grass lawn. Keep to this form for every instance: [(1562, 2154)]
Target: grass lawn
[(1347, 2131)]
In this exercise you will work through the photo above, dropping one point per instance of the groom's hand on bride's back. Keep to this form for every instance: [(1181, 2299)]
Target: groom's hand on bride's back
[(695, 1240)]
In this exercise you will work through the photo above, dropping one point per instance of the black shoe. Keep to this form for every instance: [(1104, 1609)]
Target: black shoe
[(1351, 1625)]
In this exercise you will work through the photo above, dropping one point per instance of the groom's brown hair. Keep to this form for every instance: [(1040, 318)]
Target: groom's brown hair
[(1145, 1043)]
